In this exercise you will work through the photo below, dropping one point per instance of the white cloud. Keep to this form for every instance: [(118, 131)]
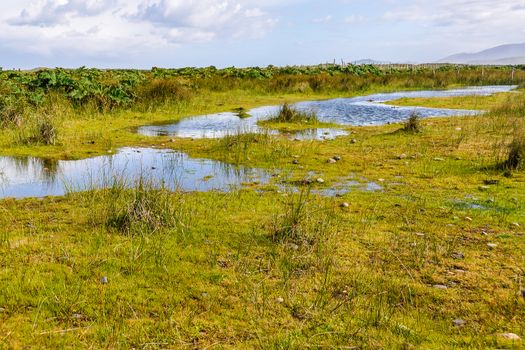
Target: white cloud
[(325, 19), (121, 27)]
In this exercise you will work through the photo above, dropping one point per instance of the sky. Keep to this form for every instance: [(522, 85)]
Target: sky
[(180, 33)]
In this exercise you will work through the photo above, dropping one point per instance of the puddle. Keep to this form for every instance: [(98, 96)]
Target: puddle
[(36, 177), (356, 111)]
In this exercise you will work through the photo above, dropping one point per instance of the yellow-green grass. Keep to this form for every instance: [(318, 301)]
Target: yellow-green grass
[(456, 102), (368, 276)]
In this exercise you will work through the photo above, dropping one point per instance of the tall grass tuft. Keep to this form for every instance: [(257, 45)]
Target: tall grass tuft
[(413, 124), (143, 209), (288, 114), (301, 222), (516, 155)]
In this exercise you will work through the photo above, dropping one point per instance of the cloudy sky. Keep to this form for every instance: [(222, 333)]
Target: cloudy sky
[(175, 33)]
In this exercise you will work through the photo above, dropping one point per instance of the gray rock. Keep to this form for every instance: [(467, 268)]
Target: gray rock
[(458, 322), (104, 280), (353, 141), (345, 205), (510, 336), (440, 286), (295, 161), (337, 158)]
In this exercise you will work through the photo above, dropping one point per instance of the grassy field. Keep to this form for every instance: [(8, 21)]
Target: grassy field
[(431, 257)]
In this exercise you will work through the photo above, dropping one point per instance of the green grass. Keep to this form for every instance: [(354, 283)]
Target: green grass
[(269, 267)]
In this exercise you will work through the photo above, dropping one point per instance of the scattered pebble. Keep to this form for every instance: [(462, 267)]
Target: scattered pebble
[(77, 316), (205, 295), (292, 246), (492, 245), (319, 180), (468, 218), (458, 322), (279, 300), (331, 161), (484, 188), (2, 309), (353, 141), (515, 224), (337, 158), (458, 129), (402, 156), (104, 280), (440, 286), (419, 234), (172, 140), (510, 336), (295, 161), (437, 159), (381, 180), (345, 205)]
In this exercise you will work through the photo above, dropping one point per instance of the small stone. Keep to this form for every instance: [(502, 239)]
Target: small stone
[(320, 180), (292, 246), (205, 295), (484, 188), (345, 205), (353, 141), (402, 156), (77, 316), (458, 322), (295, 156), (331, 161), (172, 140), (419, 234), (2, 309), (337, 158), (468, 218), (510, 336), (104, 280), (440, 286), (381, 180), (279, 300), (458, 256), (437, 159), (492, 245), (515, 224), (458, 129), (295, 161)]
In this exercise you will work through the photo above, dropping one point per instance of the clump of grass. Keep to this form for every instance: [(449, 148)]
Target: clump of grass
[(516, 155), (47, 132), (413, 124), (288, 114), (142, 209), (301, 222), (241, 112)]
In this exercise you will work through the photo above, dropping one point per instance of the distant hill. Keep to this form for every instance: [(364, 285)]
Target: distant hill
[(499, 55)]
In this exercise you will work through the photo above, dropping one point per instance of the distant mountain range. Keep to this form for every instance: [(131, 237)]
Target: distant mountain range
[(500, 55)]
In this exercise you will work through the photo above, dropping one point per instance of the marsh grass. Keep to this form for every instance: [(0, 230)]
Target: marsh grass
[(243, 146), (290, 114), (141, 209), (413, 124), (516, 154)]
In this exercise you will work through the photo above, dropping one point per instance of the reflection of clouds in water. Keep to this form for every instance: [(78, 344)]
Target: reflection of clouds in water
[(33, 177), (362, 110)]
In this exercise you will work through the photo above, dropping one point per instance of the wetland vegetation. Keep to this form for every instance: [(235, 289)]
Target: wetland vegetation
[(431, 257)]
